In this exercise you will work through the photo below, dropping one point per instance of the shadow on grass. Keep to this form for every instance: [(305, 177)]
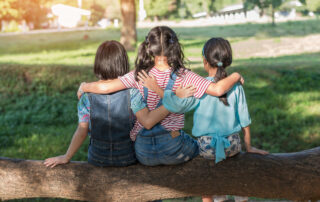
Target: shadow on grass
[(282, 93), (282, 100), (38, 105)]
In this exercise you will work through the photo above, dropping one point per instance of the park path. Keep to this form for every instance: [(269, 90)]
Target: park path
[(273, 47), (276, 46)]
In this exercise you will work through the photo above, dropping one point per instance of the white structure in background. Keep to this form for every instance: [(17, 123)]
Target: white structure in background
[(142, 11), (236, 14), (69, 16), (292, 13)]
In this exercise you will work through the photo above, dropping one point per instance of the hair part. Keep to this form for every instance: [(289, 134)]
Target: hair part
[(160, 41), (218, 53), (111, 61)]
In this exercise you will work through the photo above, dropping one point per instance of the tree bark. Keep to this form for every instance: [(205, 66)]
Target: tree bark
[(294, 176), (273, 20), (128, 29)]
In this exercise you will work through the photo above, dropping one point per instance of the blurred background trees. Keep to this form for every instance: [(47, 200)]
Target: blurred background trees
[(26, 15)]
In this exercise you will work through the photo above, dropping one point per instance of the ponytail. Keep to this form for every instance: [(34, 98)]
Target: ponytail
[(144, 60), (218, 53), (221, 74), (160, 41)]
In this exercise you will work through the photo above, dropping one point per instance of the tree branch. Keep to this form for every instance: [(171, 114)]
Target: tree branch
[(294, 176)]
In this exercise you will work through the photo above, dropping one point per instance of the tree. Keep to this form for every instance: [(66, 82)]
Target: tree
[(113, 9), (294, 176), (313, 5), (160, 8), (7, 11), (33, 11), (128, 29), (97, 13), (263, 5)]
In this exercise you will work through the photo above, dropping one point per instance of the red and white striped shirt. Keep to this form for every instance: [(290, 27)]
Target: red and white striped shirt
[(173, 121)]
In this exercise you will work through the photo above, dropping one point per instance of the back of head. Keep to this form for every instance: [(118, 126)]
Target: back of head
[(111, 61), (160, 41), (218, 53)]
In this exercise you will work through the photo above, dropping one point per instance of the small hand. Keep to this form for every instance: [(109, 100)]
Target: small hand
[(80, 91), (147, 81), (258, 151), (187, 91), (241, 80), (52, 162)]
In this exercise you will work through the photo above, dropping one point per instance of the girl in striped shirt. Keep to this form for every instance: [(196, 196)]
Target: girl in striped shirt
[(161, 56)]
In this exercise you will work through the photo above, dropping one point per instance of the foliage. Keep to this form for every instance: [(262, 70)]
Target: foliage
[(97, 13), (31, 11), (220, 4), (184, 8), (113, 9), (313, 5), (159, 8), (40, 73), (263, 5), (7, 11)]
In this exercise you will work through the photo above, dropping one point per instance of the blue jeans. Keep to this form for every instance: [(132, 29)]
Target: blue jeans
[(157, 147), (102, 153)]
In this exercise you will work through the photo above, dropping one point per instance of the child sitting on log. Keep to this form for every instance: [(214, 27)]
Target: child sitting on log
[(161, 56), (108, 119), (217, 121)]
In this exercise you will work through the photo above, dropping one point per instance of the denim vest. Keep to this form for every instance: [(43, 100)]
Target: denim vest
[(111, 121)]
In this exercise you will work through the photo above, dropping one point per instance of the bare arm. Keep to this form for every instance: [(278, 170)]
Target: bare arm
[(101, 87), (78, 137), (224, 85), (150, 118), (150, 82), (247, 142)]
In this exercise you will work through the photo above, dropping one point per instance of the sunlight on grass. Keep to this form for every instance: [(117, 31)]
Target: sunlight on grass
[(40, 74)]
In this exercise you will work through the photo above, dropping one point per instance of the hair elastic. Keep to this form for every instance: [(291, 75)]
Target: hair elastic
[(203, 53), (220, 64)]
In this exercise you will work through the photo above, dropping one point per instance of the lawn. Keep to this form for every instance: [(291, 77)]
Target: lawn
[(40, 74)]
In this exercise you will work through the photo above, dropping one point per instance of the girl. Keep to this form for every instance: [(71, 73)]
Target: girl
[(217, 120), (161, 56), (108, 118)]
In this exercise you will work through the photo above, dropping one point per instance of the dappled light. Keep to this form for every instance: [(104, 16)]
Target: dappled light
[(48, 47)]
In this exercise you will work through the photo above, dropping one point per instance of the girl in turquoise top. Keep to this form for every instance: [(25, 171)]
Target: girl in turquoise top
[(217, 121)]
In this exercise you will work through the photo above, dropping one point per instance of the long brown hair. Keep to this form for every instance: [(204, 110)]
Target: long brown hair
[(218, 53), (160, 41)]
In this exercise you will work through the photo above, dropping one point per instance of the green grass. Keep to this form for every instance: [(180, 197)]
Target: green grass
[(40, 74)]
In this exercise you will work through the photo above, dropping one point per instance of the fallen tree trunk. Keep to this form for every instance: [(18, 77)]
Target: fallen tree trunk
[(294, 176)]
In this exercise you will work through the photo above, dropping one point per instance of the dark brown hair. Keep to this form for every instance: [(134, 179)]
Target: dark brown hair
[(160, 41), (218, 53), (111, 61)]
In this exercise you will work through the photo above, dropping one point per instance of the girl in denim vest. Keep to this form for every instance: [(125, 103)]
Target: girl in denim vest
[(217, 121), (160, 55), (108, 119)]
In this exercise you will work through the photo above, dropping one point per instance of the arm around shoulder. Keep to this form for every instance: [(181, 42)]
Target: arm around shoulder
[(103, 87), (223, 86)]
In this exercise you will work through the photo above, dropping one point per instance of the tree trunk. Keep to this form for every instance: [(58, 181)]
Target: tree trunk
[(273, 21), (128, 29), (294, 176)]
